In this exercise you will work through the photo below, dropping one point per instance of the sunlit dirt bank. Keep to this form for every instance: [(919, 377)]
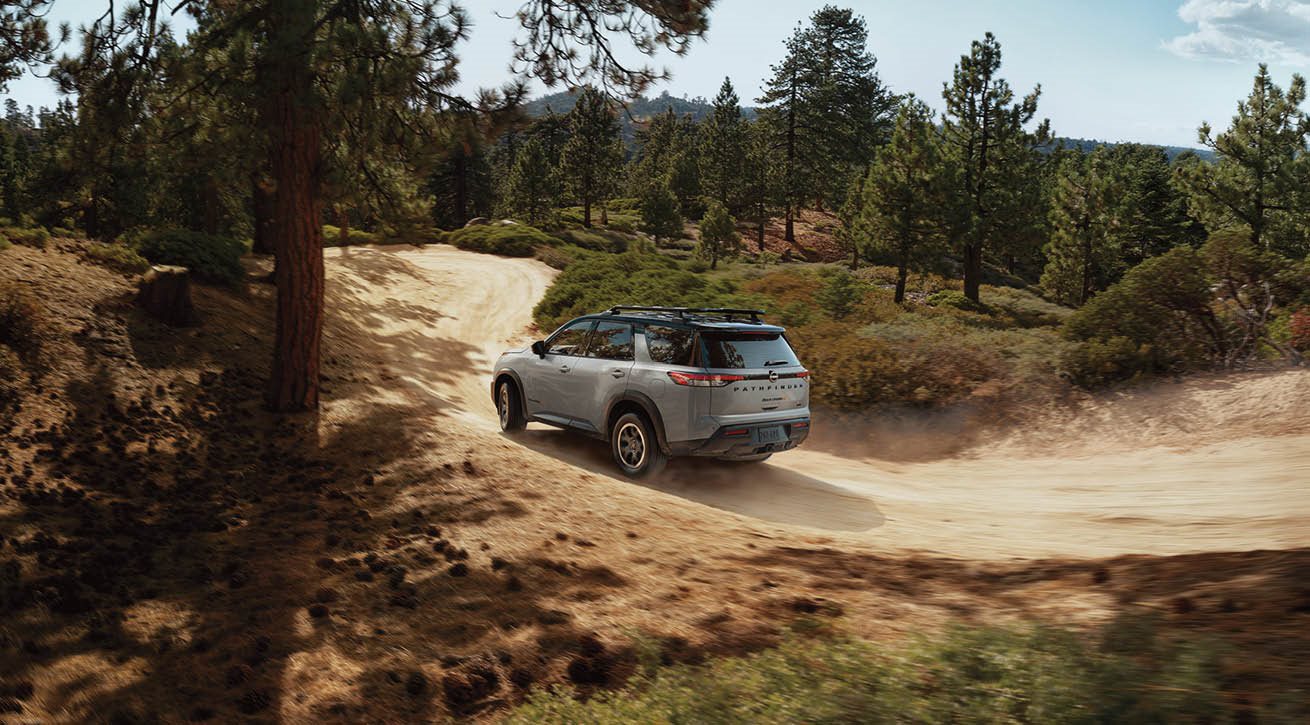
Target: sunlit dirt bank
[(179, 554)]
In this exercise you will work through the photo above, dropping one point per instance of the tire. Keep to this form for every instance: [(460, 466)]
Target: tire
[(759, 458), (509, 407), (635, 447)]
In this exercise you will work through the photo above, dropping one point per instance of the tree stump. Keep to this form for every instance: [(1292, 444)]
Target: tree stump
[(165, 292)]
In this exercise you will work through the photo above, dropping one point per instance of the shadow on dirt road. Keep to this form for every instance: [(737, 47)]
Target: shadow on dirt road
[(757, 490)]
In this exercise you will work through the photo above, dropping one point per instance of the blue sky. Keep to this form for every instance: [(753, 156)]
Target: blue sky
[(1138, 70)]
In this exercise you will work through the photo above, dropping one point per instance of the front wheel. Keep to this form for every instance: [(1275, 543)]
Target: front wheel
[(509, 408), (634, 445)]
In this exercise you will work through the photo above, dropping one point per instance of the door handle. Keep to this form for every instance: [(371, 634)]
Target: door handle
[(617, 372), (564, 368)]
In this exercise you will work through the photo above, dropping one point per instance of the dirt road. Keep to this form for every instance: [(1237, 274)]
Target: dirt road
[(1209, 465)]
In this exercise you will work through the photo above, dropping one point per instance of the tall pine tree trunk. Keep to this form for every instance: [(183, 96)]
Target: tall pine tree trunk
[(789, 234), (972, 269), (295, 162)]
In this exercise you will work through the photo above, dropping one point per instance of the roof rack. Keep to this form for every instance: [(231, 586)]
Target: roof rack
[(684, 312)]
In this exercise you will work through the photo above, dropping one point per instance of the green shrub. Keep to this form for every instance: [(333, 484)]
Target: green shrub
[(66, 233), (210, 257), (4, 244), (595, 240), (332, 237), (118, 257), (597, 281), (956, 299), (840, 292), (1024, 309), (857, 369), (558, 257), (1163, 307), (697, 265), (965, 675), (36, 238), (1098, 362), (626, 224), (510, 240)]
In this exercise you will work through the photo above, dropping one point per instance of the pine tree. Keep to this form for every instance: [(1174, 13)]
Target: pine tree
[(592, 156), (855, 108), (1150, 207), (532, 188), (1083, 254), (723, 149), (1257, 182), (684, 182), (24, 37), (848, 234), (757, 180), (985, 131), (826, 108), (718, 234), (787, 114), (660, 217), (906, 211), (658, 143)]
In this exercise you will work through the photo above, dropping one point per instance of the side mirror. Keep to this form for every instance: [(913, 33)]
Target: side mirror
[(539, 348)]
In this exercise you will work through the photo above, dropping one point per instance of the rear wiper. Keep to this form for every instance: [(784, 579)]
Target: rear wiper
[(771, 363)]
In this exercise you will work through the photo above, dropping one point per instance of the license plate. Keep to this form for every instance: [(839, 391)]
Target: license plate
[(772, 434)]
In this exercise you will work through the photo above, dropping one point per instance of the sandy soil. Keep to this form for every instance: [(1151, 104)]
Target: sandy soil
[(169, 552), (1215, 465)]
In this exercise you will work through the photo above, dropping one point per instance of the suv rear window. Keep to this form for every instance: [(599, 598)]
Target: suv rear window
[(611, 341), (669, 345), (745, 350)]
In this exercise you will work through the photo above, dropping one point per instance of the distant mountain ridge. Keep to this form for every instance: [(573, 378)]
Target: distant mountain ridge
[(699, 108)]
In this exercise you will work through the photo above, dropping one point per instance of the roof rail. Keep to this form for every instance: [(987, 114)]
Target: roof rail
[(683, 312)]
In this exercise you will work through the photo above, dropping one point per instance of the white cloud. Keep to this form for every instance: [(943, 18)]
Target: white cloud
[(1275, 31)]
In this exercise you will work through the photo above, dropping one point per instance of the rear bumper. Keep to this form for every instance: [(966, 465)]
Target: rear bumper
[(734, 441)]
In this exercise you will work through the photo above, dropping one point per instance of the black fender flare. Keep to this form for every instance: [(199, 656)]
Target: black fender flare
[(518, 382), (648, 406)]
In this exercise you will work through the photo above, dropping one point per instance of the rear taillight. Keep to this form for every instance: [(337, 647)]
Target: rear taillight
[(703, 380), (802, 374), (801, 424), (734, 432)]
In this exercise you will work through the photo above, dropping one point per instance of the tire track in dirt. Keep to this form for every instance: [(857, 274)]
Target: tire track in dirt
[(1084, 494)]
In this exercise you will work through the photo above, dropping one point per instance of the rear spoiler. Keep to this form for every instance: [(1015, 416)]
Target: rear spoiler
[(725, 312)]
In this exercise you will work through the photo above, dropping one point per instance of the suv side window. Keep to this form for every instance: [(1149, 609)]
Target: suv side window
[(572, 340), (669, 345), (611, 341)]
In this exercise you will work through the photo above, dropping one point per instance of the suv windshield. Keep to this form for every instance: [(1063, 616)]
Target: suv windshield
[(745, 350)]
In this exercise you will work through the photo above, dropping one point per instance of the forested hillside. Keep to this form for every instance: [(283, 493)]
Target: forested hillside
[(159, 153)]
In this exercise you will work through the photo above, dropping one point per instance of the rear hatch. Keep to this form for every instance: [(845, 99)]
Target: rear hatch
[(761, 372)]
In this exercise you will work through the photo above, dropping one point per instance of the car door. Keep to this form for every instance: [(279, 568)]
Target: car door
[(600, 375), (549, 375)]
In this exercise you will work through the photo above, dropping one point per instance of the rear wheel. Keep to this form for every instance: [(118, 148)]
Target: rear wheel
[(634, 445), (509, 407)]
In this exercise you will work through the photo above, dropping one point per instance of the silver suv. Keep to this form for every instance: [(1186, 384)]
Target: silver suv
[(662, 381)]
